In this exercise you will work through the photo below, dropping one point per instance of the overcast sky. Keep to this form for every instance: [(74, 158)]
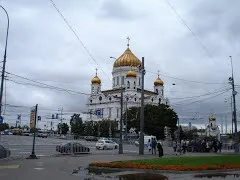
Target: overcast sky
[(42, 47)]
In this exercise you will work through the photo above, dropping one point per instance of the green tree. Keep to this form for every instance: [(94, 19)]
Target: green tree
[(77, 126), (64, 128), (4, 126), (191, 135), (103, 128), (90, 129), (155, 119)]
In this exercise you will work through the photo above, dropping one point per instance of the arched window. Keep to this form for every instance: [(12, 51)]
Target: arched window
[(100, 98), (162, 92), (134, 87), (159, 100), (98, 90), (110, 99), (135, 99), (139, 81), (156, 90), (90, 100), (117, 80), (128, 84), (92, 89), (152, 99)]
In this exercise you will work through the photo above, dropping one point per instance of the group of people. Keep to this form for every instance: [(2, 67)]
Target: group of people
[(198, 146), (153, 145)]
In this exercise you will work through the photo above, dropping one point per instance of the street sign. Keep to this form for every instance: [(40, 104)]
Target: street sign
[(1, 119), (98, 113)]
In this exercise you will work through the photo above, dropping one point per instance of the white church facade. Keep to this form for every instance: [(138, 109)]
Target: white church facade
[(212, 129), (126, 74)]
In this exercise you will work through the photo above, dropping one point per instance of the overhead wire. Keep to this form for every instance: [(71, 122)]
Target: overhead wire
[(188, 27), (78, 38)]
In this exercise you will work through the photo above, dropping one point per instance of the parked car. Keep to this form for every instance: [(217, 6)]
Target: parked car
[(72, 147), (106, 144), (4, 152), (91, 138)]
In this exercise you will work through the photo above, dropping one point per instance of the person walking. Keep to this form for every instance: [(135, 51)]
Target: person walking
[(154, 144), (149, 144), (160, 149)]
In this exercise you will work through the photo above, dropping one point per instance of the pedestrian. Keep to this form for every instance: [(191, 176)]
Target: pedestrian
[(160, 149), (175, 146), (149, 145), (154, 144), (220, 146)]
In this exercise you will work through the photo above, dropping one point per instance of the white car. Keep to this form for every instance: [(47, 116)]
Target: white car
[(106, 144)]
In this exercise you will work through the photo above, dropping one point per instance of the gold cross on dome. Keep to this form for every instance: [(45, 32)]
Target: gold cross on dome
[(128, 39), (96, 71)]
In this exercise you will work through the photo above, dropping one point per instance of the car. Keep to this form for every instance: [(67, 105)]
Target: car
[(72, 147), (44, 135), (4, 152), (106, 144), (2, 133)]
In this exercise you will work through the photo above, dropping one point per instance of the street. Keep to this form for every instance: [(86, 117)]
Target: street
[(21, 146)]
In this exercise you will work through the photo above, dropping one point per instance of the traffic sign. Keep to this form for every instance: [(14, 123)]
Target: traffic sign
[(1, 119), (98, 113)]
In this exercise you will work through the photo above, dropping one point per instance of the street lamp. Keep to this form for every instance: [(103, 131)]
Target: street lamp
[(4, 61)]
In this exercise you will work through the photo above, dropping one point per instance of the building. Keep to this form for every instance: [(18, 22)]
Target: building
[(126, 74), (212, 129)]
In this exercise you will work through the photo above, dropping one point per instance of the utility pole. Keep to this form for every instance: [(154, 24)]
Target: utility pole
[(234, 93), (141, 139), (33, 155), (232, 112), (126, 116), (4, 62), (120, 149)]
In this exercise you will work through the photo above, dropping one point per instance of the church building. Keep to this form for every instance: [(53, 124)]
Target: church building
[(126, 75)]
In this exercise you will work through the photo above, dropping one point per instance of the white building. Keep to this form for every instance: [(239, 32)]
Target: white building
[(212, 129), (105, 104)]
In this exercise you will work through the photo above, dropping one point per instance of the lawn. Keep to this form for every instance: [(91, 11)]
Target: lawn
[(177, 163), (189, 161)]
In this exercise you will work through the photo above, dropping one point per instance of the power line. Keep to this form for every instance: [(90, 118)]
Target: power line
[(191, 81), (201, 99), (46, 85), (206, 94), (78, 38), (185, 24)]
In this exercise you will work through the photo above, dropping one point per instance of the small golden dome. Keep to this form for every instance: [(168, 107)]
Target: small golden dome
[(158, 82), (212, 118), (127, 59), (96, 79), (131, 73)]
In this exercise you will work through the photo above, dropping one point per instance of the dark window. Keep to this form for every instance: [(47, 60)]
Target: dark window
[(156, 90), (128, 84), (135, 99), (127, 98), (152, 99), (159, 100), (100, 98), (90, 100), (122, 80), (139, 81), (110, 99), (117, 80)]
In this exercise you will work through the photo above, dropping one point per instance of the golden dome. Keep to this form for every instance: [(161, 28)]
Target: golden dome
[(127, 59), (96, 79), (212, 118), (158, 82), (131, 73)]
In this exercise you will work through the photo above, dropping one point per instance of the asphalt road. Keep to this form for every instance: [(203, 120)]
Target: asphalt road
[(22, 146)]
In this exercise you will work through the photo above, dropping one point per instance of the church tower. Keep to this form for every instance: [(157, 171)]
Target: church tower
[(158, 86), (96, 84), (212, 121), (131, 80)]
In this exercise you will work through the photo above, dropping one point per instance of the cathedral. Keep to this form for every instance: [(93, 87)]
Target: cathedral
[(126, 75)]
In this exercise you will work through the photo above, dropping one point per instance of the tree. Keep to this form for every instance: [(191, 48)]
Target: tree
[(4, 126), (191, 134), (77, 126), (64, 128), (155, 119), (103, 128)]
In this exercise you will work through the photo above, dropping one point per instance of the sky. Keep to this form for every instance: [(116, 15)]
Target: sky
[(187, 41)]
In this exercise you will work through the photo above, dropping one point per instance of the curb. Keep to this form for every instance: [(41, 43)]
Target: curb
[(161, 171)]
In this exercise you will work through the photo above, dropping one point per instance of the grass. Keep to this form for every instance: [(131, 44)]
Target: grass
[(189, 161)]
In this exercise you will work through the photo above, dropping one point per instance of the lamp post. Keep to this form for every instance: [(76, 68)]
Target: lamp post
[(4, 61)]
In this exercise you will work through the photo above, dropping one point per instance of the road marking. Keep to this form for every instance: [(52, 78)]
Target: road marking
[(9, 166), (39, 168), (130, 151)]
